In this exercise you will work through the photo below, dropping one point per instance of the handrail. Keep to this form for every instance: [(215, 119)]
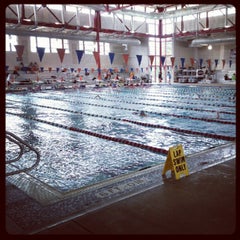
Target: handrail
[(14, 138)]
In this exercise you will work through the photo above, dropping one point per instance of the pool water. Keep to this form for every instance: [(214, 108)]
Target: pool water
[(71, 160)]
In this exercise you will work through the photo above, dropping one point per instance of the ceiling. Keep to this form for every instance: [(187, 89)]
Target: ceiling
[(19, 21)]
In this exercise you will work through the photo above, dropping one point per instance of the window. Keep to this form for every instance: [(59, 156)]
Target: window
[(10, 41), (104, 48), (90, 46), (59, 43), (39, 42), (152, 26), (50, 44)]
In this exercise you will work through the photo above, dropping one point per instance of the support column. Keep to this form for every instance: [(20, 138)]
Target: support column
[(97, 26)]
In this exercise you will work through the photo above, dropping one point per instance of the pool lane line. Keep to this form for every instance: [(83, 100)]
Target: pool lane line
[(99, 135), (164, 106), (209, 135), (130, 109), (154, 99)]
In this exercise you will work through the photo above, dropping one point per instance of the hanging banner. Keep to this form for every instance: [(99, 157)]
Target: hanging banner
[(125, 58), (151, 59), (40, 51), (61, 53), (192, 61), (162, 60), (111, 56), (182, 61), (139, 58), (200, 62), (172, 60), (97, 57), (216, 62), (19, 49), (223, 63), (209, 63), (79, 55), (176, 162)]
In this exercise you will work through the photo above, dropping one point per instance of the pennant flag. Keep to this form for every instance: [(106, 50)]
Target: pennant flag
[(200, 62), (40, 51), (79, 70), (57, 69), (49, 69), (61, 53), (230, 63), (151, 59), (92, 70), (79, 55), (182, 61), (125, 58), (172, 60), (121, 70), (139, 58), (86, 70), (209, 63), (97, 57), (131, 69), (163, 60), (111, 56), (223, 62), (72, 69), (216, 62), (192, 61), (19, 49), (41, 69)]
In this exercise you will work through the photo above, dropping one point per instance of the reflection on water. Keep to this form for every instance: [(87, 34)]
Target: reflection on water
[(70, 160)]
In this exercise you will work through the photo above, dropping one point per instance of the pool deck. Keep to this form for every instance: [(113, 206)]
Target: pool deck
[(202, 203)]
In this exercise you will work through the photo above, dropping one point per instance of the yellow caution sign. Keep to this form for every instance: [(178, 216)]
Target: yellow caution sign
[(176, 162)]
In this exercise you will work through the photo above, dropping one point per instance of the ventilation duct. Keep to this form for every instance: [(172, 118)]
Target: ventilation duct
[(128, 41), (205, 41)]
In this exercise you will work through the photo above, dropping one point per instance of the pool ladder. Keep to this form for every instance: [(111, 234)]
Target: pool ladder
[(23, 146)]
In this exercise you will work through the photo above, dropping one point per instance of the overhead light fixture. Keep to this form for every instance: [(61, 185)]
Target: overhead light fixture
[(206, 29), (26, 19), (227, 26), (209, 47), (58, 23)]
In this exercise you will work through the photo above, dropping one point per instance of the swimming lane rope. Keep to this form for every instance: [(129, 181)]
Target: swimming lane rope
[(151, 112), (216, 136), (99, 135), (164, 106)]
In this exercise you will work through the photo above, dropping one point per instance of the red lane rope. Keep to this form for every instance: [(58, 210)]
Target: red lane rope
[(162, 114), (99, 135), (227, 138)]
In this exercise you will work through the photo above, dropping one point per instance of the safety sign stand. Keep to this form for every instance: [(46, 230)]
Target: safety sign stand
[(176, 162)]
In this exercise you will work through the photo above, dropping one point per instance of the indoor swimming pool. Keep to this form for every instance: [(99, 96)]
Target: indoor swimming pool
[(85, 136)]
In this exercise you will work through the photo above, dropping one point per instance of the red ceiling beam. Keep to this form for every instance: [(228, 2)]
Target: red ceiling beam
[(126, 33), (119, 7)]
